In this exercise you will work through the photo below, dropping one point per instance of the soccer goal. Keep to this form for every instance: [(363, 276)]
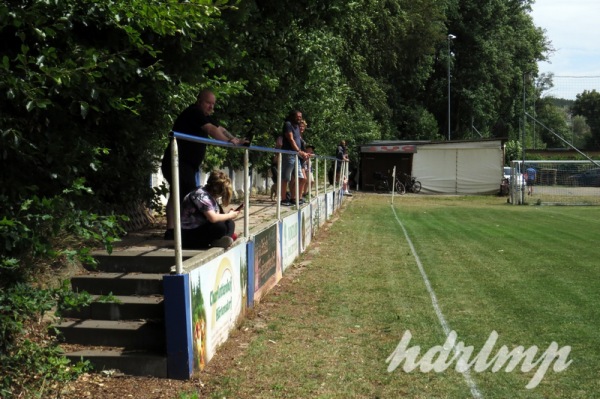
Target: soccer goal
[(536, 182)]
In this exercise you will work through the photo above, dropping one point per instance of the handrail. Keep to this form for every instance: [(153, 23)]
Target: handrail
[(175, 179)]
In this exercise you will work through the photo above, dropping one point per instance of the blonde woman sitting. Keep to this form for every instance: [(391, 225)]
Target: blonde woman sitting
[(204, 224)]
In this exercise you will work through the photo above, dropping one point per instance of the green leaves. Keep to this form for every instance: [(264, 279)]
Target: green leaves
[(28, 361), (587, 104), (77, 75), (497, 43)]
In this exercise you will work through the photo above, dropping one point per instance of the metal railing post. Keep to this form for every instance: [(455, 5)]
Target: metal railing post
[(279, 163), (309, 180), (316, 174), (325, 177), (296, 167), (176, 205), (246, 193), (335, 174)]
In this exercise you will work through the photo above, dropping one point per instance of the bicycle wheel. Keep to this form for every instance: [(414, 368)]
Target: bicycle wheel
[(400, 189), (416, 187)]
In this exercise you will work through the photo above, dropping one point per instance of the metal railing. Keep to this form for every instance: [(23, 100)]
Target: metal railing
[(175, 179)]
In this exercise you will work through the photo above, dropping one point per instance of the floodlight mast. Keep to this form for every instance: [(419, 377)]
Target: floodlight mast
[(450, 37)]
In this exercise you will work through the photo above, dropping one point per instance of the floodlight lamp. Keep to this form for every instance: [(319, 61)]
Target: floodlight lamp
[(451, 37)]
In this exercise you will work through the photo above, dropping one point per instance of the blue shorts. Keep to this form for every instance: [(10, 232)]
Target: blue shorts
[(288, 162)]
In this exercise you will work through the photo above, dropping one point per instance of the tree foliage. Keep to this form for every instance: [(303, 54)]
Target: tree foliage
[(587, 104), (581, 131), (496, 45), (551, 123), (86, 86), (90, 89), (87, 90)]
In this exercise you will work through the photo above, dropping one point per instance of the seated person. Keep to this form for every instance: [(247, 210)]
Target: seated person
[(203, 222)]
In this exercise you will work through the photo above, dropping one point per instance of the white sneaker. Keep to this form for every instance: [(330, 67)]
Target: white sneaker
[(223, 242)]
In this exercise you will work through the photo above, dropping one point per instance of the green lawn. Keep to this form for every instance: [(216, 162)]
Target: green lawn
[(529, 273)]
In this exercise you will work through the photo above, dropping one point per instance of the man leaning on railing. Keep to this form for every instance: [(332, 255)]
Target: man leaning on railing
[(195, 120)]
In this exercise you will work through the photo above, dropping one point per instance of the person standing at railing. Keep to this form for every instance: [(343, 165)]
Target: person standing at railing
[(303, 161), (195, 120), (292, 141), (204, 224), (310, 179), (342, 156)]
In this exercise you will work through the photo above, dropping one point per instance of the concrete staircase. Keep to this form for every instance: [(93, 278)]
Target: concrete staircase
[(124, 327)]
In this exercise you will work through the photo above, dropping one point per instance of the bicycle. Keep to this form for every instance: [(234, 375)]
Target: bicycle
[(382, 184), (411, 183)]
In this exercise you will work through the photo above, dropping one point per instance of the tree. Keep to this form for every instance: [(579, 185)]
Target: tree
[(552, 121), (581, 131), (297, 60), (587, 104), (497, 44), (78, 78), (512, 151), (86, 91)]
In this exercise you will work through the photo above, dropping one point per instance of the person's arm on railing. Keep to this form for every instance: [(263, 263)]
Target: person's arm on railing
[(220, 133), (290, 138)]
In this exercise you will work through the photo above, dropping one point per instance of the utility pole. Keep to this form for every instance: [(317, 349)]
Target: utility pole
[(450, 37)]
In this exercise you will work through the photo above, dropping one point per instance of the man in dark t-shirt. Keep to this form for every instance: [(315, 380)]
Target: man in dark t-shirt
[(195, 120)]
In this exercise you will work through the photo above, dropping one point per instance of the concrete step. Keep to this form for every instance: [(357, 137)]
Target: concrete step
[(154, 260), (120, 307), (130, 334), (138, 363), (118, 283)]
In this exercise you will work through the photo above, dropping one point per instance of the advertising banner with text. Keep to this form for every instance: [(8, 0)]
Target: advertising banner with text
[(218, 298), (289, 239), (305, 227), (267, 261), (329, 201)]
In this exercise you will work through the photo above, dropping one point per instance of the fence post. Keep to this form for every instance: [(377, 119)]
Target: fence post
[(176, 204), (279, 163), (246, 194)]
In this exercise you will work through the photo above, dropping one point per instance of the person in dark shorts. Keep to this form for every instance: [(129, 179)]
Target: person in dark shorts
[(292, 141), (530, 174)]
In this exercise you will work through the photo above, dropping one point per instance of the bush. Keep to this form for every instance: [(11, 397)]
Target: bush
[(32, 364), (39, 236), (513, 151)]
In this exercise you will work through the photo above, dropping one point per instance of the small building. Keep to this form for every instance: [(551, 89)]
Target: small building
[(447, 167)]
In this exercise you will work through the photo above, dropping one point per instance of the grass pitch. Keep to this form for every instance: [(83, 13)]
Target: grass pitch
[(529, 273)]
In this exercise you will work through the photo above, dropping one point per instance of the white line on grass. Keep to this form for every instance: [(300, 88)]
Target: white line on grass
[(470, 382)]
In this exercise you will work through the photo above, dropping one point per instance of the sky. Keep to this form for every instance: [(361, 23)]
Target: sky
[(573, 27)]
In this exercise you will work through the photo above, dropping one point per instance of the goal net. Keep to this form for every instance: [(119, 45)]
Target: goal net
[(548, 182)]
